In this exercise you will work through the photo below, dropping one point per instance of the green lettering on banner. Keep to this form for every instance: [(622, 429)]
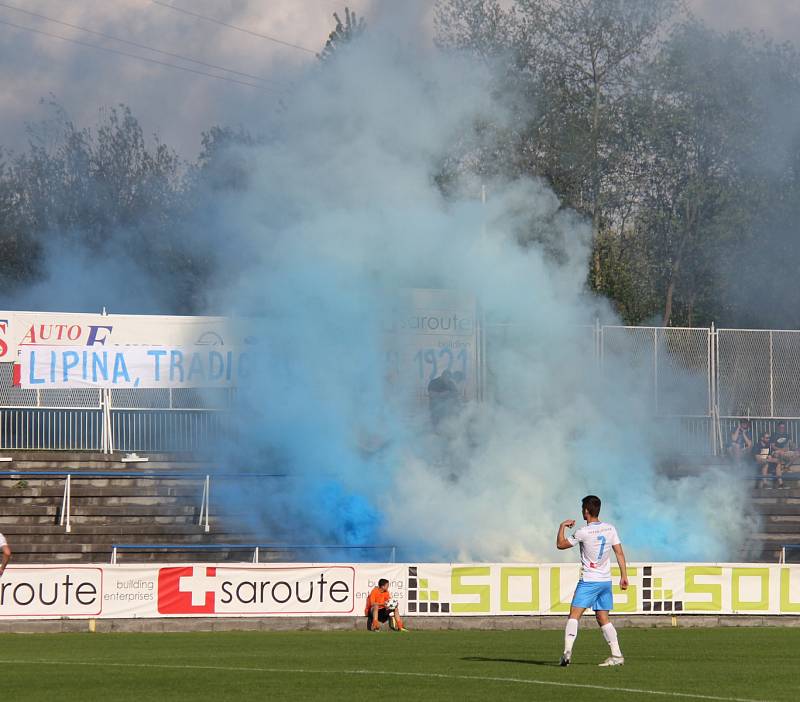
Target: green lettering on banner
[(786, 595), (556, 605), (458, 588), (736, 602), (630, 601), (506, 605), (714, 604)]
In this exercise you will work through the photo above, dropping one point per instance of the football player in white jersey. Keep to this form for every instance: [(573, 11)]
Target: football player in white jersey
[(597, 539)]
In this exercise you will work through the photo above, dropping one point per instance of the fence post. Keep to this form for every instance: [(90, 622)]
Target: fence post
[(655, 370), (716, 428), (771, 380), (598, 343), (107, 434)]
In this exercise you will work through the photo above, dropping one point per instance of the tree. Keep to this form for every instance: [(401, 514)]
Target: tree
[(590, 54), (20, 251), (701, 195), (100, 193), (343, 34), (577, 62)]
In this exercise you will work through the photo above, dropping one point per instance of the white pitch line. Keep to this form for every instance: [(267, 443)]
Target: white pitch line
[(396, 673)]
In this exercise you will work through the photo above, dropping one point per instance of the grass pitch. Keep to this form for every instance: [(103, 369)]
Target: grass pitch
[(689, 664)]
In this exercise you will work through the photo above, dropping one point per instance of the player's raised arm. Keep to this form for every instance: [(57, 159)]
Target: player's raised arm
[(561, 540), (623, 566)]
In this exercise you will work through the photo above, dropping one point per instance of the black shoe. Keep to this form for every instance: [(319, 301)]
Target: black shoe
[(565, 659)]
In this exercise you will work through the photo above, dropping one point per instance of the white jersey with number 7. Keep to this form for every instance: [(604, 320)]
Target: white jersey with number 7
[(596, 540)]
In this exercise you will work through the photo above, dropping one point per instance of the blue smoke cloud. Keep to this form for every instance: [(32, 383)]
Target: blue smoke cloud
[(341, 213), (335, 213)]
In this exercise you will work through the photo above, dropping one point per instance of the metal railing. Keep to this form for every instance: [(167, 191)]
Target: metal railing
[(704, 376), (784, 548), (255, 548), (65, 517)]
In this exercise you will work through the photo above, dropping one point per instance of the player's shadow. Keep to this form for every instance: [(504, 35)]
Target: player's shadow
[(527, 661)]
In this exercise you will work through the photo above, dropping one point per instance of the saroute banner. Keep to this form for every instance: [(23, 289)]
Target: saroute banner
[(340, 589)]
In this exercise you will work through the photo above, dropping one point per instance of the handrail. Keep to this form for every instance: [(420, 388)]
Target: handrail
[(204, 503), (66, 500), (66, 505), (242, 547)]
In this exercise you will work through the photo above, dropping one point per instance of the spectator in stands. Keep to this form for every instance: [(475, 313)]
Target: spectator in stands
[(762, 455), (6, 554), (782, 449), (741, 443), (377, 610)]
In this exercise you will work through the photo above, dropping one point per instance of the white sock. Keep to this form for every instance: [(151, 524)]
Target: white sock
[(610, 635), (570, 634)]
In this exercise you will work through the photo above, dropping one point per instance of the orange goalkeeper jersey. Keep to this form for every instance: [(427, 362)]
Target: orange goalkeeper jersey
[(377, 597)]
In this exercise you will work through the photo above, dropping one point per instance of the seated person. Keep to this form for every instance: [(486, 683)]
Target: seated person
[(762, 455), (783, 450), (376, 610), (741, 443)]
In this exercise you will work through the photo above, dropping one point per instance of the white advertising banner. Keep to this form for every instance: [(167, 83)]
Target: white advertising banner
[(341, 589), (430, 332), (24, 330), (48, 367)]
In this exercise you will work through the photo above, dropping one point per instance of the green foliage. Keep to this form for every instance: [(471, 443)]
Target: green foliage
[(102, 192), (675, 141), (343, 34), (678, 144)]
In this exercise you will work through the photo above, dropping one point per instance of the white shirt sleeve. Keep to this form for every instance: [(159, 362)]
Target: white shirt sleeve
[(576, 537)]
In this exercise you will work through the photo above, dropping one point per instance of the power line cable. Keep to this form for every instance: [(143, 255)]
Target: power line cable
[(232, 26), (132, 43), (134, 56)]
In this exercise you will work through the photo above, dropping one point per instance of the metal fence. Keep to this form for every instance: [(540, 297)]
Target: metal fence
[(702, 379), (672, 365), (90, 419)]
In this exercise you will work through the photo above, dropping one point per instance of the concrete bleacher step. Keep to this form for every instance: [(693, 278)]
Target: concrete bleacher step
[(154, 502), (38, 460), (112, 529), (166, 522), (81, 490), (784, 528), (20, 503), (163, 515)]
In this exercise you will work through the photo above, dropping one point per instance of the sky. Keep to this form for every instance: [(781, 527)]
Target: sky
[(179, 105), (176, 104)]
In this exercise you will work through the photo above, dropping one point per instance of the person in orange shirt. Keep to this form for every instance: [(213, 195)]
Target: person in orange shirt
[(377, 611)]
